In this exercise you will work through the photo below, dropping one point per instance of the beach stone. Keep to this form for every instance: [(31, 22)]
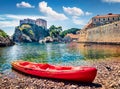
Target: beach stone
[(73, 86), (105, 79)]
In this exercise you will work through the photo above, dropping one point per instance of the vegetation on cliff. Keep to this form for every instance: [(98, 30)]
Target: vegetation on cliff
[(2, 33), (35, 33), (29, 33), (5, 39), (71, 30), (58, 31), (55, 31)]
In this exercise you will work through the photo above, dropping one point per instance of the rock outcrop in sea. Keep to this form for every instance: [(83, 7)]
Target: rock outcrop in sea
[(29, 33), (5, 39)]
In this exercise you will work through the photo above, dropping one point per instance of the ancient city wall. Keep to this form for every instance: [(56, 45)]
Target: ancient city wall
[(109, 33)]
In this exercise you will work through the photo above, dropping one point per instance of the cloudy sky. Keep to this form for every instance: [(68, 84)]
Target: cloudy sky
[(65, 13)]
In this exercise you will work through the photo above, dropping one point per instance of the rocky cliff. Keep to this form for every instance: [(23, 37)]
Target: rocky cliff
[(29, 33), (5, 39)]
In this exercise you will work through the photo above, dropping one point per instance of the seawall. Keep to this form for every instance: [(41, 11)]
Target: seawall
[(107, 34)]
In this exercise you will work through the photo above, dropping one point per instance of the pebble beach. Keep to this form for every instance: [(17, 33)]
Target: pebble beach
[(108, 77)]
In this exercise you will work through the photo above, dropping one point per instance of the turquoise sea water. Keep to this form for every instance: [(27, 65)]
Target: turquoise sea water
[(58, 54)]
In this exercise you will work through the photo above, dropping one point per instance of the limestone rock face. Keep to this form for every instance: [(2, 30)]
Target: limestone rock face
[(29, 33), (5, 39), (46, 40)]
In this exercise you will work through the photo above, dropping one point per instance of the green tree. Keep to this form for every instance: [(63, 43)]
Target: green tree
[(52, 28), (55, 31), (3, 34), (72, 30)]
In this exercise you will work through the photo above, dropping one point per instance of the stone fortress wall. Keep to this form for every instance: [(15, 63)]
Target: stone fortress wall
[(109, 33)]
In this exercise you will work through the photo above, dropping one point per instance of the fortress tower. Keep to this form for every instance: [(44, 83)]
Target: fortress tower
[(39, 22)]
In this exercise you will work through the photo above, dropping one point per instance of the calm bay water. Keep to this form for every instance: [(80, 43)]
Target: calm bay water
[(59, 54)]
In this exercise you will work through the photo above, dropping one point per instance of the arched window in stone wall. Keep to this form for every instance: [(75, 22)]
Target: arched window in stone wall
[(119, 18), (113, 18), (99, 19)]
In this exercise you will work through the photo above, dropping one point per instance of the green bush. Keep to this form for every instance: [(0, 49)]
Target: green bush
[(72, 30), (31, 32), (2, 33)]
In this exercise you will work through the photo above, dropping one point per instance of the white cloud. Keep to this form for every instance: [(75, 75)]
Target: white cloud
[(10, 20), (48, 11), (78, 21), (1, 18), (88, 13), (73, 11), (111, 1), (4, 24), (24, 5), (76, 13), (19, 17)]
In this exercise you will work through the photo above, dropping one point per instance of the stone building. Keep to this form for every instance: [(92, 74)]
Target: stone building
[(102, 20), (27, 21), (39, 22), (104, 29), (72, 37)]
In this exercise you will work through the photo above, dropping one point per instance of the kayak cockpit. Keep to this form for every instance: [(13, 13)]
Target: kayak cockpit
[(46, 66)]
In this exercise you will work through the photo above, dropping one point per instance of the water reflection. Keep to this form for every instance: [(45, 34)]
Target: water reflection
[(93, 51), (62, 54)]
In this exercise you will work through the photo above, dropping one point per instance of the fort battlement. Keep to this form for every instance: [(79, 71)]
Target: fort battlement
[(39, 22), (108, 33)]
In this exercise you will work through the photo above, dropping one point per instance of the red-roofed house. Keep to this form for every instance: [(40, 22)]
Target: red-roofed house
[(102, 19), (72, 37)]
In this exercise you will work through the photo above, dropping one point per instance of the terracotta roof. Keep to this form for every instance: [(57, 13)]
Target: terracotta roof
[(72, 35), (88, 24), (105, 16)]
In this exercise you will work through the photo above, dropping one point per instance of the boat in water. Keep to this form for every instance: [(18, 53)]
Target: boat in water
[(70, 73)]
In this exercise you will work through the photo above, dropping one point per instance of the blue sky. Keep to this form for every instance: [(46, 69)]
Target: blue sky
[(65, 13)]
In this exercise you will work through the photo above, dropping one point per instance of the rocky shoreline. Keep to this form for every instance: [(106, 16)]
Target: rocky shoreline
[(6, 41), (108, 77)]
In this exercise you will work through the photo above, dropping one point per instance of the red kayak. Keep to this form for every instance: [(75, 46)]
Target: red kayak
[(83, 74)]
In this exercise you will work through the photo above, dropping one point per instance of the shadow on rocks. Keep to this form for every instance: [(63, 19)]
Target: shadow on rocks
[(96, 85)]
